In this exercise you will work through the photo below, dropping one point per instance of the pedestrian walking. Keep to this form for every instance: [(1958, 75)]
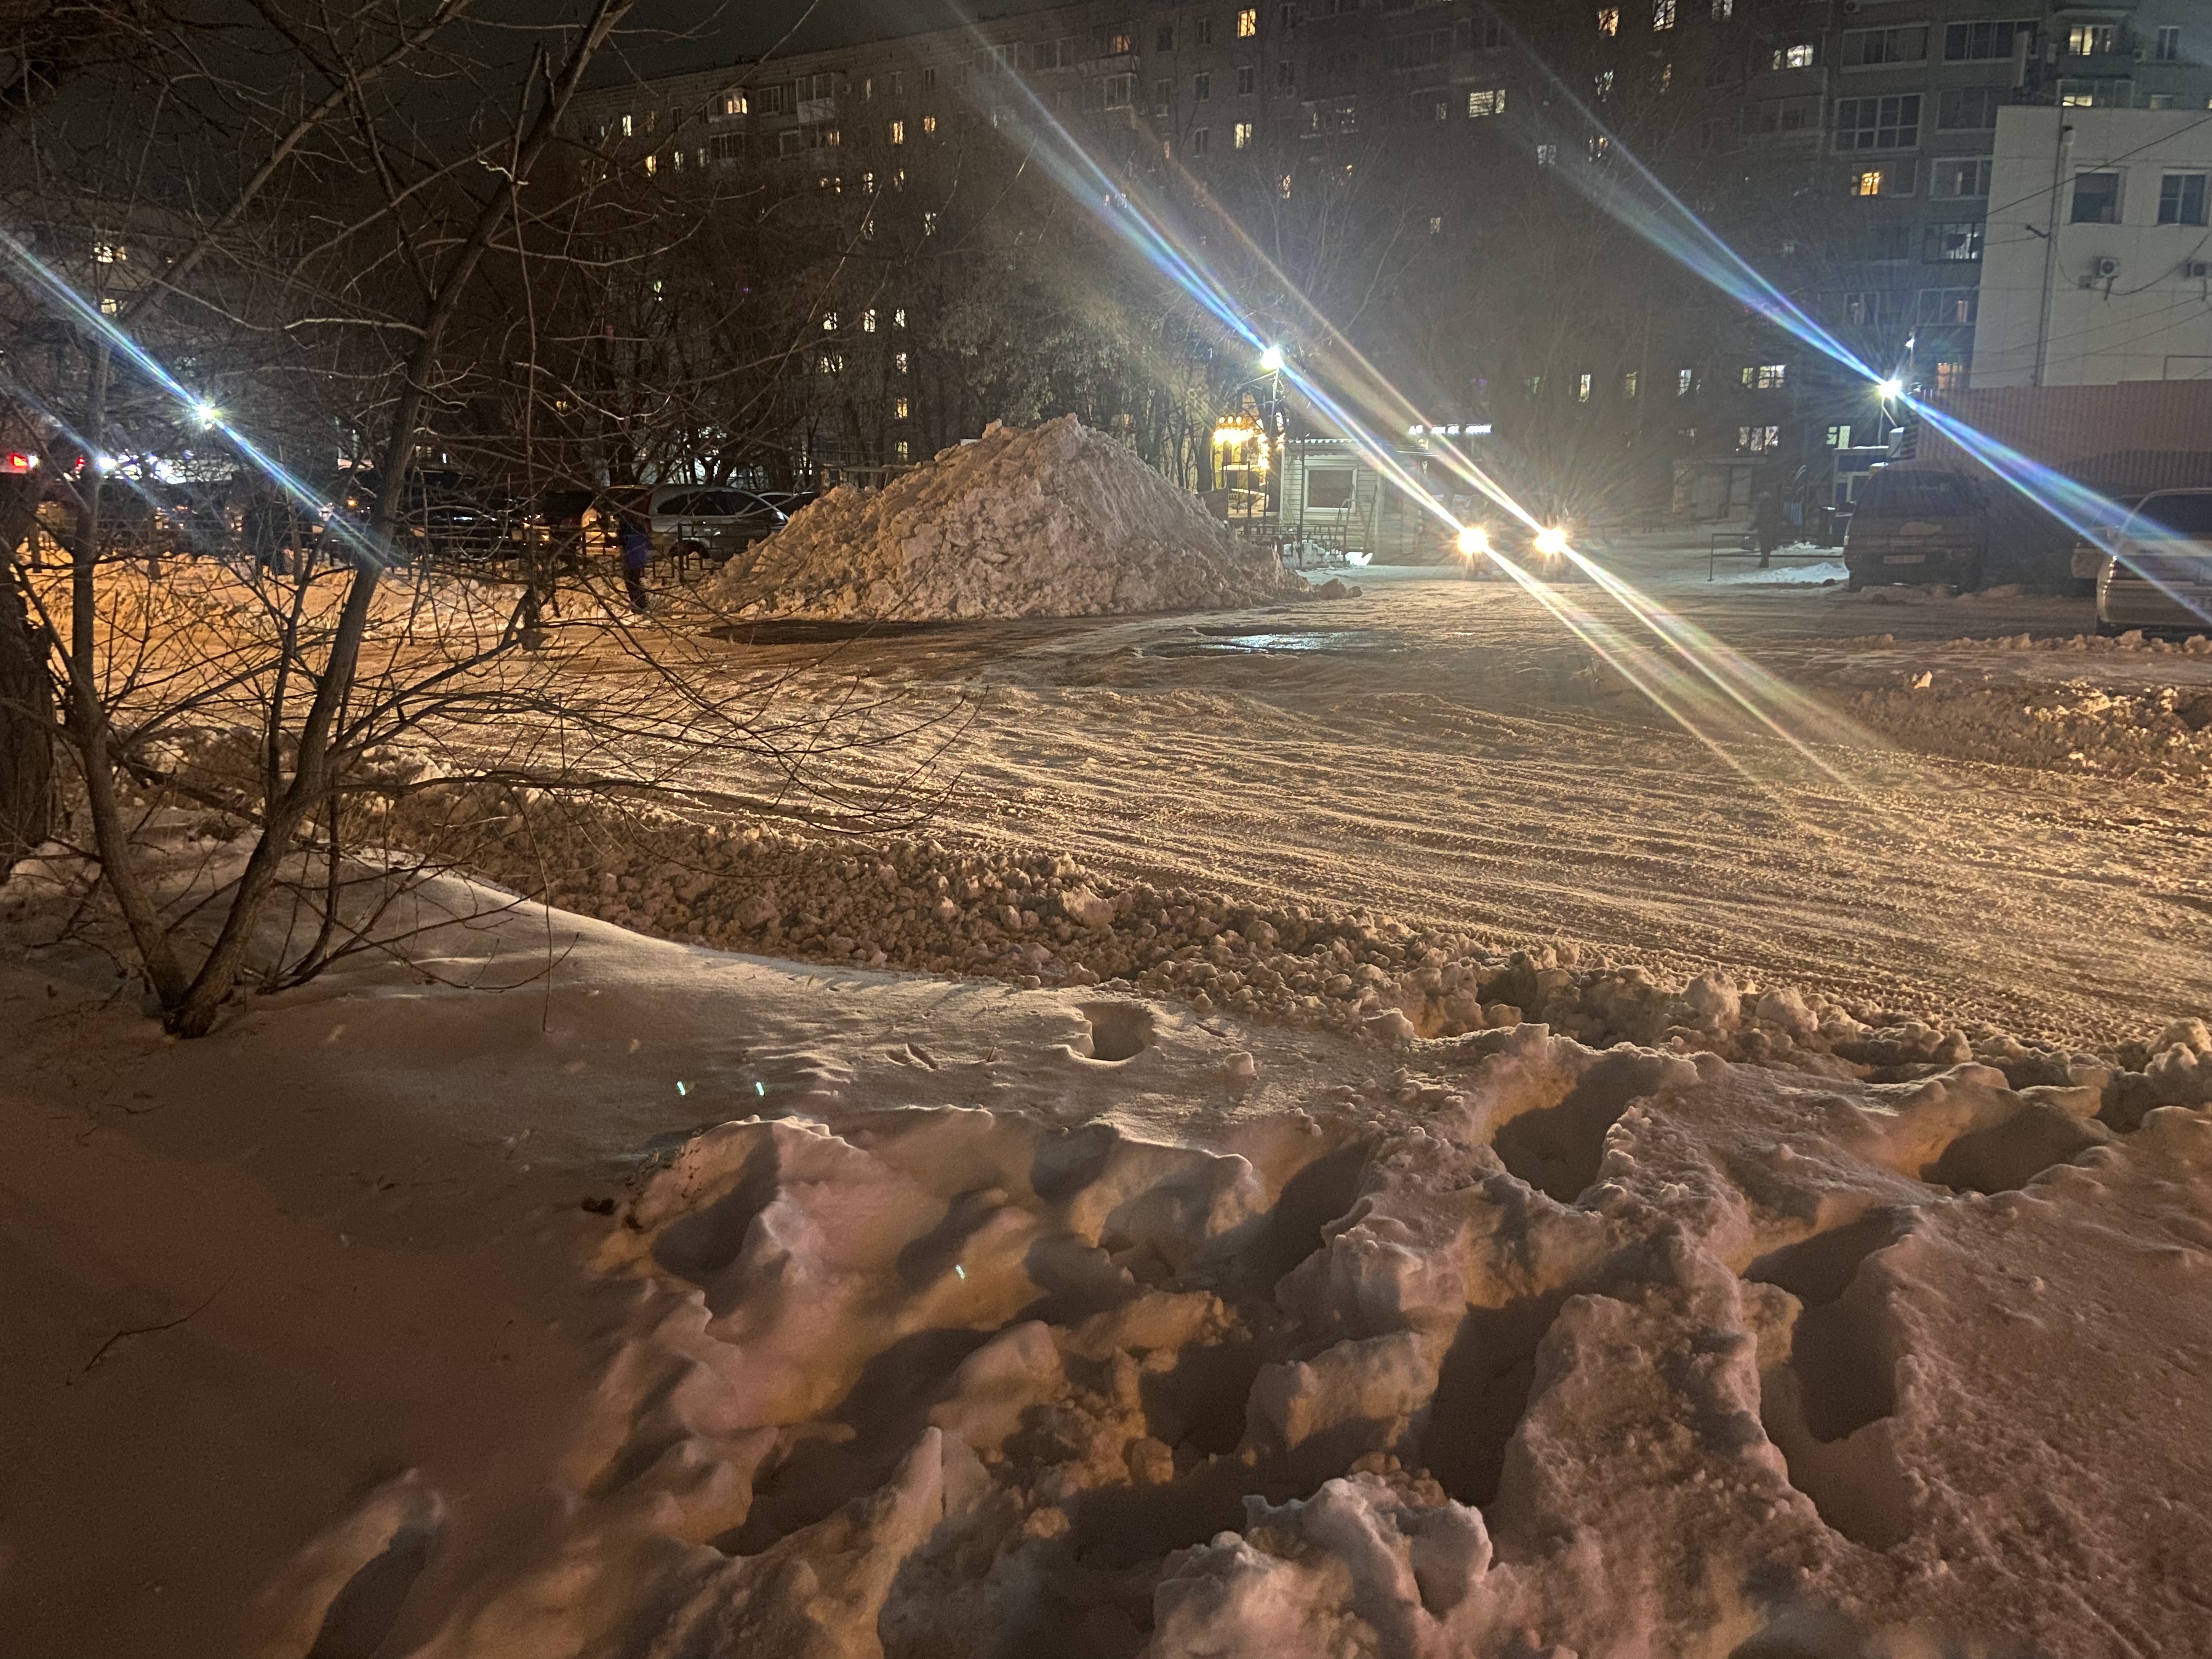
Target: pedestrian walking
[(636, 556)]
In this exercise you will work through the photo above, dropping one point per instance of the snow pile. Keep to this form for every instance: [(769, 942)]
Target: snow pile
[(1054, 520), (1568, 1352)]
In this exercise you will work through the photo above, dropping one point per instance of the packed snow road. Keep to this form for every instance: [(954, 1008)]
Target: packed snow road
[(1904, 814)]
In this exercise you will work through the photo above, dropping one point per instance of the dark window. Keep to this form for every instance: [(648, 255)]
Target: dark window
[(1328, 487), (1965, 43), (1949, 305), (1967, 108), (1953, 244), (1164, 38), (2190, 514), (2181, 198), (2096, 198), (1908, 45), (1891, 122)]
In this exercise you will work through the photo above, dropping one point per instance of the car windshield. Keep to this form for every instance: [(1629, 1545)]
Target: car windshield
[(2187, 515), (1917, 495)]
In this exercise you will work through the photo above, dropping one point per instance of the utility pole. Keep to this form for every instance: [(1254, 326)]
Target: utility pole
[(2050, 251)]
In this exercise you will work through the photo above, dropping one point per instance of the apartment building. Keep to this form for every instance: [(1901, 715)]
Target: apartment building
[(1846, 148), (2098, 267)]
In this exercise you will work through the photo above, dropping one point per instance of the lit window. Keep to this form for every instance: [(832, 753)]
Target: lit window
[(110, 306), (1950, 376), (867, 88), (899, 362), (1758, 439), (1283, 186), (1666, 76), (1603, 84), (1663, 13), (1609, 19), (1839, 437), (828, 322), (868, 320), (734, 103), (1723, 10), (1582, 389), (1685, 381), (868, 183), (2093, 40), (1868, 182), (898, 132), (1548, 156), (629, 126), (1248, 22), (898, 317), (109, 253), (1436, 224), (1797, 56), (832, 363), (1764, 377), (929, 124), (1535, 385), (1490, 102), (1240, 136), (651, 164), (899, 409)]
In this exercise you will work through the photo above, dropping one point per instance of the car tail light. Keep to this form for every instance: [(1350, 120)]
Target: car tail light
[(20, 461)]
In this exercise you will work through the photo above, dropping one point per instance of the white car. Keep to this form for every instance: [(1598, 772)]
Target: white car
[(2159, 572)]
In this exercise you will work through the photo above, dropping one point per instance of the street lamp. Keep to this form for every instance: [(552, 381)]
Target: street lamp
[(1271, 360), (1891, 389), (1551, 541), (1474, 541)]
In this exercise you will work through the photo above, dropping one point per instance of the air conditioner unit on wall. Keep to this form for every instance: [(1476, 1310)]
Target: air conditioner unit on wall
[(2105, 268), (2197, 268)]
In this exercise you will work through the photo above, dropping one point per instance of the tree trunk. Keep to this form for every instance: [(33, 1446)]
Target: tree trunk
[(26, 698)]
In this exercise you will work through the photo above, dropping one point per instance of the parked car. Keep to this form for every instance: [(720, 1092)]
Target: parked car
[(2091, 550), (1917, 524), (692, 521), (788, 501), (2158, 573)]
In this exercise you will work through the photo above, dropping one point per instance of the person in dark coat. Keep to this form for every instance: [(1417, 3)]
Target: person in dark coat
[(1769, 523), (636, 556)]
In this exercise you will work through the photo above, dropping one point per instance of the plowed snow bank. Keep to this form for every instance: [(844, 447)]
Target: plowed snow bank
[(1054, 520)]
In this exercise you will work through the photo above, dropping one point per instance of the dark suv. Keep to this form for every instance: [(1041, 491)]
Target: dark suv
[(1917, 524)]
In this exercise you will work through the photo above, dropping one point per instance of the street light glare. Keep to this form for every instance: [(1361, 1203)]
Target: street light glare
[(206, 413), (1271, 360), (1473, 541), (1552, 540), (1891, 390)]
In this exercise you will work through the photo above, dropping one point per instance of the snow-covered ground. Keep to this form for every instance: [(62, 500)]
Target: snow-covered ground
[(1239, 1268), (1968, 831), (997, 1321)]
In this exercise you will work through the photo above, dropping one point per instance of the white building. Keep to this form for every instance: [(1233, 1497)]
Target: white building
[(2097, 266)]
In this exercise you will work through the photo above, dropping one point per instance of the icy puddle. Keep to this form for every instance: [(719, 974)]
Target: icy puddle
[(1277, 642)]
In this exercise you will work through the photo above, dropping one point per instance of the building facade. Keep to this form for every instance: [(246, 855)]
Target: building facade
[(2098, 268), (1421, 171)]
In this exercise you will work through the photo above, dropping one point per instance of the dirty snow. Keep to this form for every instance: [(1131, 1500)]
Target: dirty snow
[(1053, 520)]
